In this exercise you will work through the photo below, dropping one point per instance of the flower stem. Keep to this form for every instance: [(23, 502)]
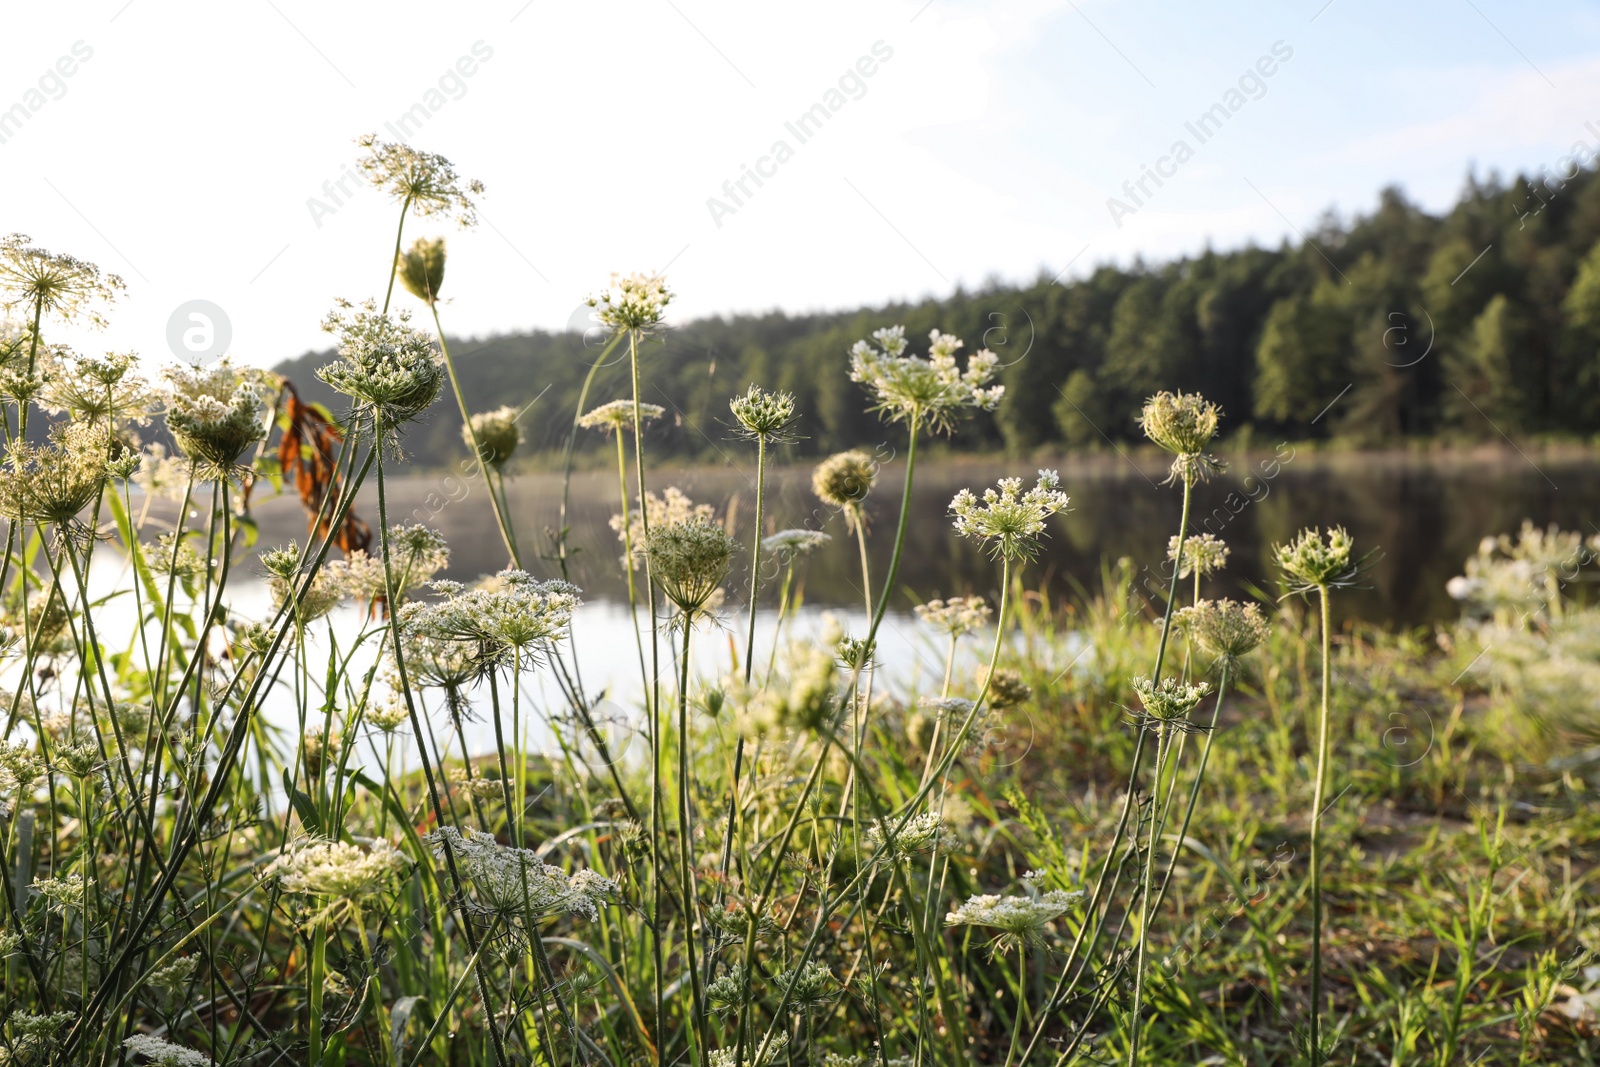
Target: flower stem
[(1316, 842)]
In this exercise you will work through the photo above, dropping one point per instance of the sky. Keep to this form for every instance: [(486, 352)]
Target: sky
[(197, 149)]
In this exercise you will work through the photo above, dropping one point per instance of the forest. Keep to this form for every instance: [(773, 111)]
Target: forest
[(1394, 326)]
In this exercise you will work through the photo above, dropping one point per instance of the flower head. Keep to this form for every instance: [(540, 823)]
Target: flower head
[(932, 391), (921, 833), (1020, 920), (1314, 560), (789, 545), (957, 616), (634, 303), (164, 1053), (421, 269), (809, 987), (766, 415), (61, 285), (387, 368), (54, 482), (214, 433), (843, 481), (1226, 629), (340, 870), (1010, 521), (498, 434), (1202, 554), (424, 182), (1167, 703), (416, 554), (670, 507), (1183, 424), (616, 415), (689, 560), (515, 884)]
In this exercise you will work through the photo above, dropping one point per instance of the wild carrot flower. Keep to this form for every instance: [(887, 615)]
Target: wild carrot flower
[(54, 482), (1226, 629), (665, 510), (437, 655), (513, 612), (1316, 561), (59, 285), (339, 870), (515, 884), (425, 182), (777, 1052), (63, 894), (809, 987), (843, 481), (20, 765), (763, 414), (388, 369), (730, 991), (214, 433), (1167, 703), (921, 833), (1009, 522), (634, 303), (99, 390), (163, 1053), (932, 391), (416, 554), (689, 560), (1004, 687), (1183, 424), (498, 434), (790, 544), (1202, 554), (33, 1036), (421, 269), (1020, 920), (616, 415), (957, 616), (283, 580)]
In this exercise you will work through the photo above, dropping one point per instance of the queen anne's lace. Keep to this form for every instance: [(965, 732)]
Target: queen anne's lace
[(931, 391)]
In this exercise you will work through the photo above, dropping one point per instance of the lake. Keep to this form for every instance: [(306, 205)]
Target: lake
[(1424, 513)]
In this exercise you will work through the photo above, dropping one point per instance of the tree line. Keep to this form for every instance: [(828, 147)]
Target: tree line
[(1480, 322)]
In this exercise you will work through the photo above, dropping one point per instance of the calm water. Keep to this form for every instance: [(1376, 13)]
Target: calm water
[(1424, 514)]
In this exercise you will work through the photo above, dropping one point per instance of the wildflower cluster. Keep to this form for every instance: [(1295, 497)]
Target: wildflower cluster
[(1315, 560), (1202, 554), (498, 434), (615, 415), (339, 870), (214, 432), (766, 415), (1010, 521), (671, 507), (512, 613), (33, 279), (1226, 629), (1167, 703), (689, 560), (54, 482), (930, 392), (921, 833), (1020, 920), (801, 697), (791, 544), (843, 481), (635, 303), (956, 616)]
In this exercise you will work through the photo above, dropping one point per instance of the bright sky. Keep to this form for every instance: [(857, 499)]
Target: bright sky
[(194, 146)]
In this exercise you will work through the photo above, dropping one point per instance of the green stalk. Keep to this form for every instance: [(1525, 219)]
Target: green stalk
[(1316, 840), (899, 535), (691, 902), (1022, 1002), (394, 260)]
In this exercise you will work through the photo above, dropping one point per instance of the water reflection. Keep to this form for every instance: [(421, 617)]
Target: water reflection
[(1425, 514)]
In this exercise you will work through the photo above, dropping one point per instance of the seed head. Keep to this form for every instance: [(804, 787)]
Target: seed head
[(1226, 629), (809, 987), (921, 833), (843, 481), (1006, 689), (1009, 522), (672, 506), (214, 433), (388, 368), (421, 269), (498, 435), (1183, 424), (1167, 704), (689, 560), (933, 391), (54, 482)]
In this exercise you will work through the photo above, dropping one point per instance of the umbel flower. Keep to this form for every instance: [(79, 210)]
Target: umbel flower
[(51, 283), (515, 884), (424, 182), (777, 1052), (633, 303), (1020, 920), (1167, 703), (284, 578), (730, 991), (689, 560), (340, 871), (513, 612), (416, 554), (1226, 629), (54, 482), (672, 506), (1183, 424), (388, 368), (421, 269), (921, 833), (788, 545), (1009, 522), (843, 481), (498, 435), (435, 657), (616, 415), (214, 433), (933, 391), (767, 416), (957, 616), (1314, 560), (164, 1053), (1202, 554), (809, 987), (99, 389)]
